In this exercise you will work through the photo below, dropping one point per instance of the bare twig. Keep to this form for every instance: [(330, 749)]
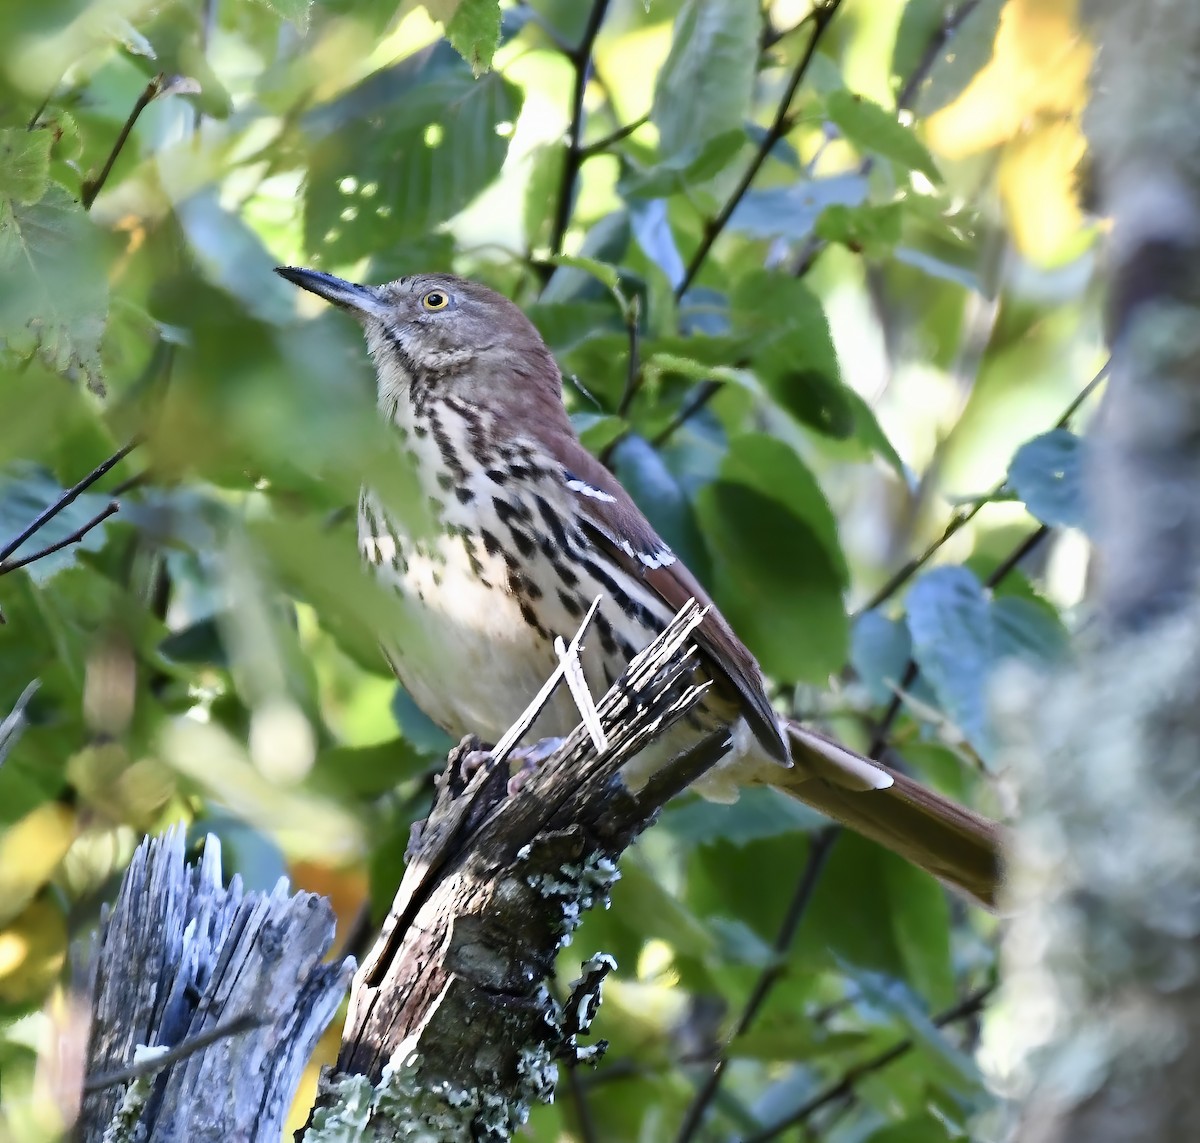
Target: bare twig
[(964, 516), (92, 187), (14, 722), (600, 146), (820, 16), (583, 1111), (110, 509), (818, 855), (71, 494), (634, 368), (581, 59), (705, 392), (844, 1087), (937, 43), (233, 1027)]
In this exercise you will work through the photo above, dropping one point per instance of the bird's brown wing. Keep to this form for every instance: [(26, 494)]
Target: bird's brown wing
[(618, 528)]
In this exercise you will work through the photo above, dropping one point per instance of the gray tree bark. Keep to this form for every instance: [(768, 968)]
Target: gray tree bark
[(206, 1003), (1103, 960)]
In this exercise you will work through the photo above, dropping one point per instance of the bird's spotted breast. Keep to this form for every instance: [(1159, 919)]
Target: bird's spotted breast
[(509, 568)]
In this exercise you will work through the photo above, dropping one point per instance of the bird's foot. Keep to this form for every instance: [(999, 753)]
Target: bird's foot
[(524, 760)]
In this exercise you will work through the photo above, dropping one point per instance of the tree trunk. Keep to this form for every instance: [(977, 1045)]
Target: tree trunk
[(1103, 961)]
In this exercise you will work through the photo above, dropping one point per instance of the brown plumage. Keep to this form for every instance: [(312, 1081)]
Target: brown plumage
[(533, 527)]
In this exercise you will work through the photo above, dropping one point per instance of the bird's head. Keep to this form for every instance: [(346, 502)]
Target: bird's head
[(439, 335)]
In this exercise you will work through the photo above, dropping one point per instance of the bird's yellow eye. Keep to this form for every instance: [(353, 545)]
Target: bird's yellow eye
[(435, 300)]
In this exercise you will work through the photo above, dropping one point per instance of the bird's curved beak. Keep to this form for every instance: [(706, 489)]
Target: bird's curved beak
[(363, 301)]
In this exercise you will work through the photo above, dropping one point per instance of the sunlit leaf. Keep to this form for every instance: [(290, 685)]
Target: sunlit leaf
[(474, 30)]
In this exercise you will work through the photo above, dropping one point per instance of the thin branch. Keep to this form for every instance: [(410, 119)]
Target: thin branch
[(1006, 565), (820, 16), (235, 1027), (964, 516), (602, 145), (845, 1086), (581, 59), (583, 1112), (879, 739), (66, 498), (818, 855), (92, 187), (705, 392), (812, 245), (633, 370), (110, 509), (933, 51)]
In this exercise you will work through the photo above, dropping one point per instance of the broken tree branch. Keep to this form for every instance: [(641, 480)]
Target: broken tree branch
[(452, 1032)]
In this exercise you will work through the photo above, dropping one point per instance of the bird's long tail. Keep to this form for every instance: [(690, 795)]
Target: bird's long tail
[(958, 846)]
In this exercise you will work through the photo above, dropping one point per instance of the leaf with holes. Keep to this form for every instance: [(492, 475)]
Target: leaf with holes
[(53, 296), (1047, 474), (408, 165)]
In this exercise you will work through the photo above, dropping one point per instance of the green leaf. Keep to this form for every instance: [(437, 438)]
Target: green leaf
[(411, 162), (792, 351), (920, 914), (878, 132), (768, 465), (866, 229), (960, 634), (474, 30), (602, 271), (24, 164), (53, 296), (417, 727), (691, 167), (1047, 474), (705, 85), (879, 651), (23, 497), (758, 813), (368, 771), (776, 581), (789, 1038), (792, 211), (951, 628), (896, 998)]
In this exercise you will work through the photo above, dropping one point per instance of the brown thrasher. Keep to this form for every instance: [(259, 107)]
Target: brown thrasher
[(531, 528)]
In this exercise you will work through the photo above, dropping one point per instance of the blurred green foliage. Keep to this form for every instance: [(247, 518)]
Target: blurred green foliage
[(809, 334)]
